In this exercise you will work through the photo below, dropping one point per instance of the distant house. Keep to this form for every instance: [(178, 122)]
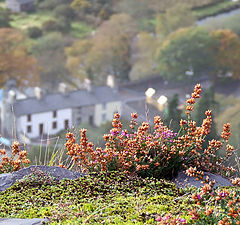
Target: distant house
[(48, 114), (20, 5)]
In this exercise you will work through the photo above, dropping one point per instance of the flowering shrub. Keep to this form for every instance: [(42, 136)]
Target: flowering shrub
[(17, 160), (216, 206), (157, 152)]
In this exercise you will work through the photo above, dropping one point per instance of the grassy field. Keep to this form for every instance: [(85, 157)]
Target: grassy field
[(214, 9), (23, 21), (79, 30)]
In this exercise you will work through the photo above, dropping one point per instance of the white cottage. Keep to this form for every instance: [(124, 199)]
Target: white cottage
[(20, 5), (48, 114)]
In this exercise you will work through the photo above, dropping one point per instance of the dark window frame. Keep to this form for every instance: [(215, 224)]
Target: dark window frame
[(55, 114), (29, 118), (29, 129), (54, 125)]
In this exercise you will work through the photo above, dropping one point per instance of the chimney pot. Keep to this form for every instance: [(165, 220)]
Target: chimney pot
[(38, 92)]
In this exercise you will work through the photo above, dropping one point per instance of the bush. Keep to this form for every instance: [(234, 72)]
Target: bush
[(34, 32), (61, 24), (64, 11), (48, 42), (50, 25), (154, 152)]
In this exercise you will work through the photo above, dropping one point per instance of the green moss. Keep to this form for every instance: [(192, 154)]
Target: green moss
[(114, 198)]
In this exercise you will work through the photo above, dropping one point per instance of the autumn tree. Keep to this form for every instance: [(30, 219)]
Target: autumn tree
[(227, 53), (144, 63), (15, 61), (108, 52)]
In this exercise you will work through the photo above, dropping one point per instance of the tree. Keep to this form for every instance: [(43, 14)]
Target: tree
[(108, 52), (49, 51), (137, 9), (4, 18), (176, 17), (77, 61), (15, 61), (227, 53), (80, 5), (187, 49), (173, 113), (145, 50)]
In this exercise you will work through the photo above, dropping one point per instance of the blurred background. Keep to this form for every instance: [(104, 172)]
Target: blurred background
[(74, 63)]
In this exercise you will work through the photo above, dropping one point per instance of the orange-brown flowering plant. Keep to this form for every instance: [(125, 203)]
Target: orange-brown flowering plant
[(216, 205), (17, 160), (153, 151)]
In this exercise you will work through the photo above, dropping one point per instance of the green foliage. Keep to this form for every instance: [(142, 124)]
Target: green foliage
[(178, 16), (34, 32), (213, 9), (144, 65), (111, 197), (222, 22), (4, 18), (65, 11), (51, 41), (174, 113), (186, 49), (37, 178)]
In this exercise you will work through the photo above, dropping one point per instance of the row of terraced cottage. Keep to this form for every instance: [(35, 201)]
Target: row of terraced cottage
[(49, 113)]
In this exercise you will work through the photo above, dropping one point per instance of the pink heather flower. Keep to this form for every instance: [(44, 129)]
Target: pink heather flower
[(181, 220), (159, 218)]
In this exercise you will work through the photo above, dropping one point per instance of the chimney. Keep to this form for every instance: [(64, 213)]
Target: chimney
[(38, 93), (12, 96), (62, 88), (111, 82), (87, 84)]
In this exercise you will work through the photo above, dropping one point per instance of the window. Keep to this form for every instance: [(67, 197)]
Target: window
[(54, 125), (41, 129), (29, 129), (66, 124), (54, 114), (29, 117)]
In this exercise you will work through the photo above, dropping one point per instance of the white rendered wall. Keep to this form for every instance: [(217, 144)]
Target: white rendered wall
[(47, 120), (110, 109)]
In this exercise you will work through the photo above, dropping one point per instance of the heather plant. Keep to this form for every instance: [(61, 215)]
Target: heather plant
[(154, 151), (215, 205), (17, 160)]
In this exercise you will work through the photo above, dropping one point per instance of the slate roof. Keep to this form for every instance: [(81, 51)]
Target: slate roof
[(25, 1), (51, 102)]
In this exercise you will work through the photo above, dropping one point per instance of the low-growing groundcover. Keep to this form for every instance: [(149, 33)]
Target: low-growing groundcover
[(113, 198), (107, 198)]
